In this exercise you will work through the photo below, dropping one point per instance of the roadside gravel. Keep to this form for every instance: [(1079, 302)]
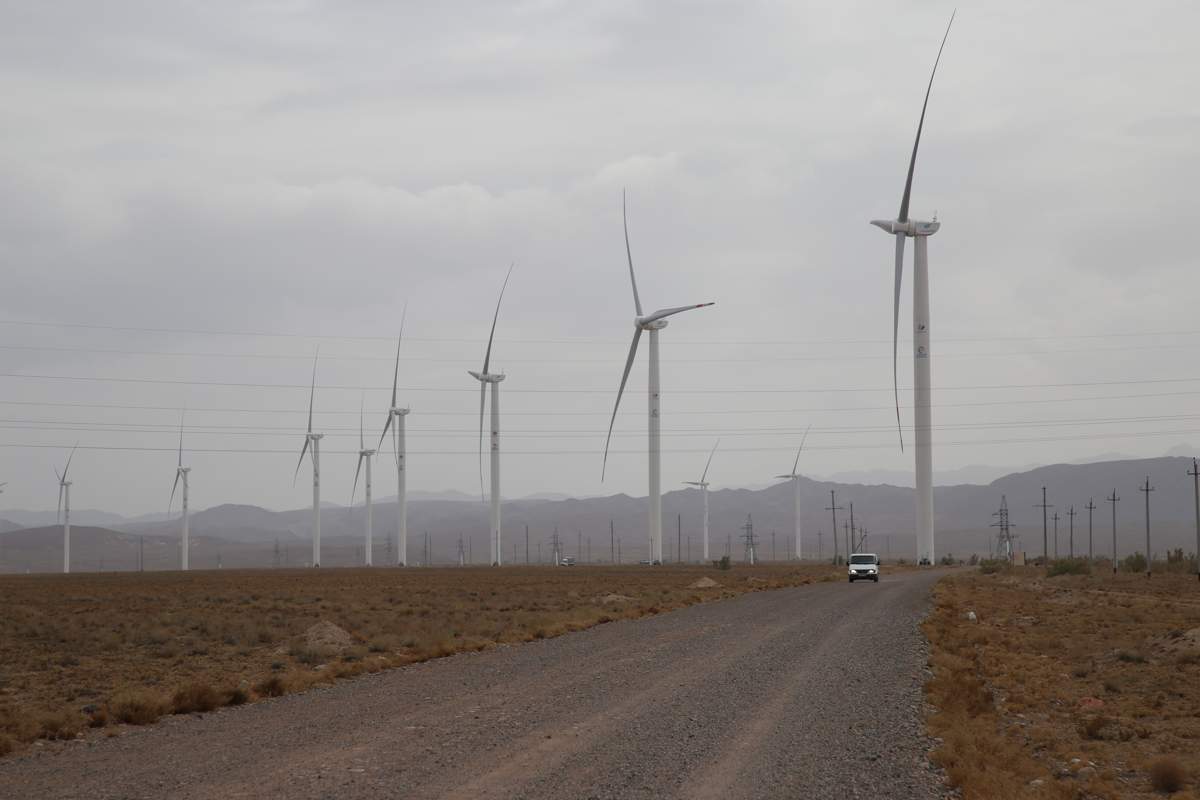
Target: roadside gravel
[(809, 692)]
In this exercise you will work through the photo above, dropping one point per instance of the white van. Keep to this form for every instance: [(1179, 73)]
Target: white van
[(863, 566)]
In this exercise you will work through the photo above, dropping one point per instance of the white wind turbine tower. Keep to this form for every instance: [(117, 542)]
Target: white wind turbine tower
[(400, 448), (181, 473), (902, 227), (364, 455), (794, 477), (313, 439), (64, 509), (652, 323), (484, 377), (703, 485)]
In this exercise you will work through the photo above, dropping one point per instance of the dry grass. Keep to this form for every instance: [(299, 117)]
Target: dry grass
[(79, 651), (1073, 686)]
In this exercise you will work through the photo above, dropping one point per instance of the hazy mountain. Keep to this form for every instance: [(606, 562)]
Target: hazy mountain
[(245, 535), (83, 516)]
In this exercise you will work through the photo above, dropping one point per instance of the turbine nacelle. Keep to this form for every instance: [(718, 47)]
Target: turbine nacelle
[(909, 228), (398, 412), (366, 453), (483, 377), (786, 477), (649, 324)]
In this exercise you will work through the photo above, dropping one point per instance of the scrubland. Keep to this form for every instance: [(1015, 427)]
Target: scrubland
[(102, 650), (1071, 686)]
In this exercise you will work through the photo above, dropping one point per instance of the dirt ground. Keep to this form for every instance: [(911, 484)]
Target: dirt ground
[(95, 650), (1073, 686)]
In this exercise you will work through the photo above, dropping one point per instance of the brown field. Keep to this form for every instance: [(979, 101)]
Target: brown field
[(1074, 686), (79, 651)]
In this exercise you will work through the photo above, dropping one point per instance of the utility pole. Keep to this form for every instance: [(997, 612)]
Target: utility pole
[(1147, 489), (1114, 500), (1005, 527), (846, 530), (850, 541), (1071, 541), (1090, 508), (749, 529), (1055, 518), (612, 543), (1195, 473), (1045, 532), (834, 508)]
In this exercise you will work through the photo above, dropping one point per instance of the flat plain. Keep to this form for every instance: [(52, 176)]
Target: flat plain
[(1072, 686), (101, 651)]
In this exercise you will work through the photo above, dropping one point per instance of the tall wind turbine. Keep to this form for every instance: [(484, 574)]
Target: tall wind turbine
[(400, 448), (64, 509), (313, 439), (794, 477), (703, 484), (903, 227), (181, 473), (364, 455), (484, 377), (652, 323)]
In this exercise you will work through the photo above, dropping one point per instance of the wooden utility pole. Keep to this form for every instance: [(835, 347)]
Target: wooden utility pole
[(1091, 506), (1114, 500), (834, 508), (1147, 489), (1195, 473), (1055, 518), (1045, 530), (1071, 538), (850, 541)]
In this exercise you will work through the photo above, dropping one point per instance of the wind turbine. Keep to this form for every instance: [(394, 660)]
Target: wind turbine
[(903, 227), (398, 445), (652, 323), (64, 509), (484, 377), (313, 439), (794, 477), (364, 455), (181, 472), (703, 484)]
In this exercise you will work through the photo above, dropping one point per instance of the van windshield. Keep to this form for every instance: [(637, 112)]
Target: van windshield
[(862, 559)]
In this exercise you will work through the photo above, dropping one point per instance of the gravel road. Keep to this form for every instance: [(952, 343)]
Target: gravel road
[(796, 693)]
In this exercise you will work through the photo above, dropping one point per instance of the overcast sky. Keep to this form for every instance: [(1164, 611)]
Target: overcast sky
[(177, 176)]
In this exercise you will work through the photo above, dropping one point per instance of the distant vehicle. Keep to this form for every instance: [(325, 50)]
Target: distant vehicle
[(863, 566), (644, 561), (567, 561)]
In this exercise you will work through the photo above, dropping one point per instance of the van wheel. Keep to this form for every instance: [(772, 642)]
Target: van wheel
[(850, 579), (876, 579)]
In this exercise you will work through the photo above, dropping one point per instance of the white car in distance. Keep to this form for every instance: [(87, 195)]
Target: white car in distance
[(863, 566)]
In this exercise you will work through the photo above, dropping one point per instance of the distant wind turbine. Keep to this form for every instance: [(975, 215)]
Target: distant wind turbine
[(902, 227), (64, 509), (364, 455), (703, 485), (181, 473), (652, 323), (400, 448), (313, 439), (485, 377), (794, 477)]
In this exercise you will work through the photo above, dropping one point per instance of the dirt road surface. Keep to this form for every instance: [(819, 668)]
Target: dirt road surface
[(797, 693)]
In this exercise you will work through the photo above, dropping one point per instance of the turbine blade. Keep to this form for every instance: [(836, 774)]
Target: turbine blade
[(709, 464), (354, 488), (58, 514), (637, 301), (896, 332), (386, 425), (487, 357), (173, 488), (920, 124), (803, 439), (396, 371), (300, 463), (180, 464), (313, 391), (669, 312), (637, 335), (482, 400), (68, 466), (361, 402)]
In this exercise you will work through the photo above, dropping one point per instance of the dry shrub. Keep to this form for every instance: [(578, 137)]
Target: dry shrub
[(138, 707), (1167, 774), (272, 686), (195, 697), (61, 724), (236, 696), (98, 717)]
